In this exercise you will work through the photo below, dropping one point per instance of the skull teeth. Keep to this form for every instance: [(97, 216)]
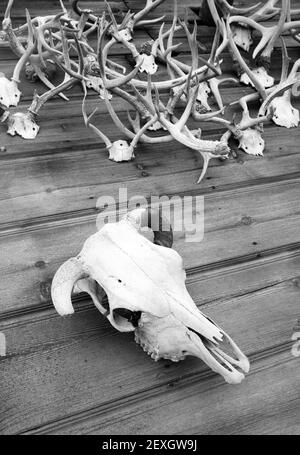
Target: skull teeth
[(154, 352)]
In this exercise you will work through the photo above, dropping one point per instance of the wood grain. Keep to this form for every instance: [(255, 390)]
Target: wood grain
[(77, 375), (72, 356)]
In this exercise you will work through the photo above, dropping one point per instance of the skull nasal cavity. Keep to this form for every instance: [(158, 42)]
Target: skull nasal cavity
[(202, 338)]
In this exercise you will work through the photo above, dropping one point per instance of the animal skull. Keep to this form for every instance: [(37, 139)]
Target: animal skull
[(251, 140), (145, 286), (262, 75), (148, 63), (242, 37), (284, 113), (121, 151), (9, 92), (125, 33), (202, 96), (22, 124)]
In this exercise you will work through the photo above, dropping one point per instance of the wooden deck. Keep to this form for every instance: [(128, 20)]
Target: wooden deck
[(77, 375)]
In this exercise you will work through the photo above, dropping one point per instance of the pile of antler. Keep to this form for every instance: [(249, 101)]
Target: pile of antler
[(63, 41)]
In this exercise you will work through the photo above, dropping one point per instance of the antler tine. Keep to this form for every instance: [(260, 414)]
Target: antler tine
[(223, 32), (41, 42), (39, 101), (79, 11), (136, 126), (63, 6), (150, 5), (53, 23), (66, 67), (15, 44), (148, 105), (191, 95), (206, 117), (285, 61), (266, 12), (92, 28), (214, 84), (128, 16), (87, 119), (214, 12), (8, 9), (172, 65), (29, 50), (150, 21), (135, 103), (277, 32), (229, 125), (174, 99), (174, 22), (294, 32), (215, 45), (45, 81), (83, 22), (80, 54), (294, 70), (122, 80), (101, 54), (261, 90), (142, 131), (102, 59), (249, 22), (136, 122), (229, 9), (158, 104), (285, 84), (116, 65), (280, 90), (111, 14), (206, 159), (153, 108), (30, 37), (160, 41), (64, 44), (253, 122), (115, 117), (192, 40)]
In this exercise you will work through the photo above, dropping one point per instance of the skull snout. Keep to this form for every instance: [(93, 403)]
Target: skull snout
[(168, 338)]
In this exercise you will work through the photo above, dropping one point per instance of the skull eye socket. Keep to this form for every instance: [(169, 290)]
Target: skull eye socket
[(122, 314)]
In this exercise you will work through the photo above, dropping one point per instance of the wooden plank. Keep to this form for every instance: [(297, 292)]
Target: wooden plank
[(27, 87), (48, 7), (203, 409), (75, 365), (61, 122), (78, 375), (44, 185), (26, 277)]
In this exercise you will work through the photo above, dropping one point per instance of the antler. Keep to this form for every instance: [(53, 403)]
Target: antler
[(150, 6)]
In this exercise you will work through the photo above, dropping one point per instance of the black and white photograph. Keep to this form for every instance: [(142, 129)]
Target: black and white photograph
[(149, 220)]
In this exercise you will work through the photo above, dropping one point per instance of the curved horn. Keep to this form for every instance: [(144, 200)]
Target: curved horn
[(62, 285), (153, 218)]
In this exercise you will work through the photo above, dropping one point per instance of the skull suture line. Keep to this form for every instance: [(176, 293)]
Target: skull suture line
[(145, 286)]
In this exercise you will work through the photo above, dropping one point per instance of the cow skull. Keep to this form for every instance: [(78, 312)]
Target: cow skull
[(145, 286)]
